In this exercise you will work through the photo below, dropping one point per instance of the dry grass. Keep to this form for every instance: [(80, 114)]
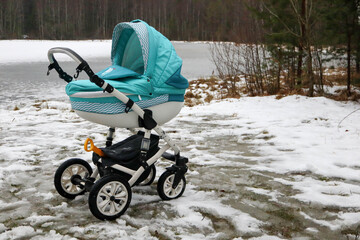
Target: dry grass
[(342, 95), (203, 90)]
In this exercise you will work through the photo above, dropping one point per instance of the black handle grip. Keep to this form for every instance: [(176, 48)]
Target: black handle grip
[(83, 65)]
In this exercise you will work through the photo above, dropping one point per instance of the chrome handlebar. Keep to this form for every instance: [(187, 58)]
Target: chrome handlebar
[(66, 51)]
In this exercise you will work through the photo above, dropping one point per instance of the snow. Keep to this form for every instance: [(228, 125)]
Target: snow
[(255, 163), (18, 232)]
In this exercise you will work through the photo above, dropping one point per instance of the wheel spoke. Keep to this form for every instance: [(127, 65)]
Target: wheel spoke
[(169, 181), (121, 195), (167, 191), (167, 185), (105, 194), (179, 187), (69, 172), (73, 188), (80, 171), (114, 188), (68, 185), (104, 205), (65, 181), (118, 206), (112, 207)]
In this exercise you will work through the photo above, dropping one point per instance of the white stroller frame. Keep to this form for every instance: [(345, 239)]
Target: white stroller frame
[(178, 169)]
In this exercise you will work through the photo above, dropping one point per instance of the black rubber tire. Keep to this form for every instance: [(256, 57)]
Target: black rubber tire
[(150, 172), (163, 182), (98, 189), (59, 174)]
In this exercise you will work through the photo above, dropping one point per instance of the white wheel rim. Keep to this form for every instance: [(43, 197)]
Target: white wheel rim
[(66, 184), (168, 190), (112, 198), (149, 177)]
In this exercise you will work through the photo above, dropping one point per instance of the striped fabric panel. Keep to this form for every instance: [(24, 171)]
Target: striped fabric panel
[(115, 108), (141, 32), (143, 36)]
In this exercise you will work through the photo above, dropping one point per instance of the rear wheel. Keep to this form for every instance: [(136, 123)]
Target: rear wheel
[(109, 197), (164, 186), (65, 175)]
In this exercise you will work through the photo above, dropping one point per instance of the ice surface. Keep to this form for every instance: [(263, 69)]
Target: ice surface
[(15, 51), (196, 56)]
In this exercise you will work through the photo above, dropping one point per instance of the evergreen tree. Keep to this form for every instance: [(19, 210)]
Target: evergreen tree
[(290, 24), (341, 21)]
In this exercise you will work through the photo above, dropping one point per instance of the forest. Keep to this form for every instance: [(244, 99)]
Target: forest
[(228, 20), (272, 44)]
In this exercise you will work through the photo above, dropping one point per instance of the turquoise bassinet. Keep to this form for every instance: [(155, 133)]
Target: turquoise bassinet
[(145, 67)]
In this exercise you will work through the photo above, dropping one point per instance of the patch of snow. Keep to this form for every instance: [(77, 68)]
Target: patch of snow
[(18, 233), (266, 237)]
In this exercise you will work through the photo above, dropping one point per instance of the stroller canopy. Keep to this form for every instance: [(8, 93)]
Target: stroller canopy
[(140, 48), (144, 62)]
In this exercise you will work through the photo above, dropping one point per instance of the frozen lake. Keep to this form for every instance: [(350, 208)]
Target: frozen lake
[(260, 168), (21, 79)]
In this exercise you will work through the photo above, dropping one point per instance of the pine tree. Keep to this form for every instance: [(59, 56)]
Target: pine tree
[(290, 24), (341, 21)]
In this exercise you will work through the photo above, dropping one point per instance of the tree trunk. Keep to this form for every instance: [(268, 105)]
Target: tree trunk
[(293, 72), (279, 71), (319, 60), (358, 55), (348, 51), (299, 65), (301, 43), (310, 74)]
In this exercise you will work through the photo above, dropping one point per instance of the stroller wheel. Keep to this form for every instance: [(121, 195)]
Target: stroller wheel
[(164, 186), (67, 172), (150, 176), (109, 197)]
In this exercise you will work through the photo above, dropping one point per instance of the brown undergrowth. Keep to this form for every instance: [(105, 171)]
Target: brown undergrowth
[(203, 90)]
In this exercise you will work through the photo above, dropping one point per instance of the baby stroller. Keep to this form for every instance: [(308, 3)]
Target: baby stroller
[(142, 89)]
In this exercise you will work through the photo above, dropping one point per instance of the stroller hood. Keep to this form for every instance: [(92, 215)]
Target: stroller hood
[(140, 48)]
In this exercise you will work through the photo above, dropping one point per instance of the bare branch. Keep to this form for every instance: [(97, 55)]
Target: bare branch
[(298, 15), (310, 9), (281, 21)]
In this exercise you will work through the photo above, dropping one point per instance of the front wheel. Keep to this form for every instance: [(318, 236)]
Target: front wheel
[(164, 186), (65, 175), (109, 197)]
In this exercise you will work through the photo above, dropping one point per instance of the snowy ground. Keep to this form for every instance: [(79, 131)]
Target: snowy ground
[(260, 168)]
